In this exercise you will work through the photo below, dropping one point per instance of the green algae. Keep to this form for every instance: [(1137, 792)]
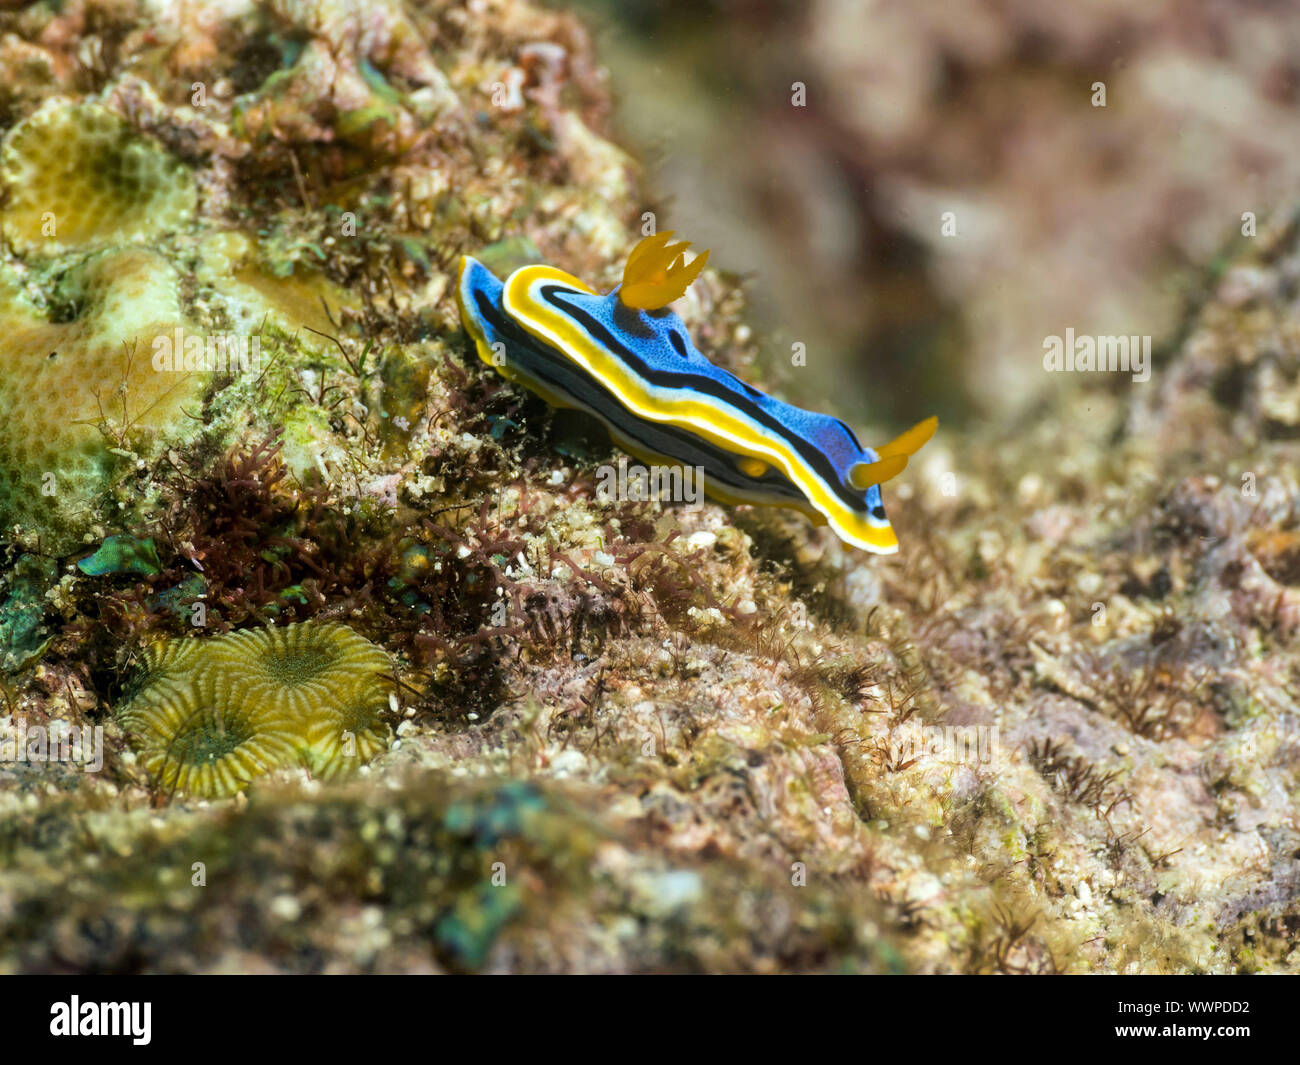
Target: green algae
[(122, 554), (23, 632)]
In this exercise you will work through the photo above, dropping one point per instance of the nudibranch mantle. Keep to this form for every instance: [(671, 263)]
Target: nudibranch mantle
[(627, 359)]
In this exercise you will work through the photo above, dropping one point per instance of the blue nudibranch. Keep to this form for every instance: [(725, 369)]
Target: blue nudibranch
[(626, 358)]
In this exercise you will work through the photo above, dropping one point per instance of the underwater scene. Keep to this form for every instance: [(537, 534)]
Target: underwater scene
[(666, 486)]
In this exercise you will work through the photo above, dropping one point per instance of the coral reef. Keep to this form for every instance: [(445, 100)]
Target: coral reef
[(210, 716), (76, 175), (78, 381), (1056, 732), (201, 739)]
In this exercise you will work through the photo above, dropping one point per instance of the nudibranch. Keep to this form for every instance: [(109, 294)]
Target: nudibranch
[(627, 358)]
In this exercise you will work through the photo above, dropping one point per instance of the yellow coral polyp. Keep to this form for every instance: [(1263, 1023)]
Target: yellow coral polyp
[(346, 736), (302, 669), (165, 663), (657, 273), (78, 176), (212, 715), (197, 739)]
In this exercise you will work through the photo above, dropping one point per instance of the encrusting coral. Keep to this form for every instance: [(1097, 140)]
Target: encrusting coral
[(209, 716), (77, 175), (111, 347), (76, 379)]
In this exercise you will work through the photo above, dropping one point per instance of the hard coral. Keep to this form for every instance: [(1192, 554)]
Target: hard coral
[(210, 716), (200, 739), (77, 175), (326, 681), (75, 382)]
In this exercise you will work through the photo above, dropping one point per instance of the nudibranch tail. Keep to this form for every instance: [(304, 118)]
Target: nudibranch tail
[(626, 359)]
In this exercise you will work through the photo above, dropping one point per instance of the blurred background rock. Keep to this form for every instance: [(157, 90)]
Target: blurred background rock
[(1103, 219)]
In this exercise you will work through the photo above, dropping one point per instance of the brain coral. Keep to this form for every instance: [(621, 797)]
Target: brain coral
[(211, 715), (76, 175), (76, 379)]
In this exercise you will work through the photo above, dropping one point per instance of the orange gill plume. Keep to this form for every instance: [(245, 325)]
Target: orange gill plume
[(656, 272)]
